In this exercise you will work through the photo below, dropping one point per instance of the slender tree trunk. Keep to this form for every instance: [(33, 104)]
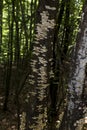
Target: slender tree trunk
[(66, 28), (55, 42), (24, 26), (41, 63), (9, 64), (17, 40), (1, 8)]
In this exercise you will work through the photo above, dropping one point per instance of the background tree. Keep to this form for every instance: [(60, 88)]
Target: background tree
[(1, 10)]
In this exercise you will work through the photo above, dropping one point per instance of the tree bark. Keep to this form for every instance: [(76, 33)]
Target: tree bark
[(76, 104), (41, 66)]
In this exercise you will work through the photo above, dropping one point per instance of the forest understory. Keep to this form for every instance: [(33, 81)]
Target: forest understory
[(10, 119)]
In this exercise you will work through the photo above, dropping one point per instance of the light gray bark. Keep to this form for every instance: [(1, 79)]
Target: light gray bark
[(76, 103)]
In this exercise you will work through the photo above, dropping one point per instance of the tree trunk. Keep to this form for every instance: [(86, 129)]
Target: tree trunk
[(9, 63), (76, 103), (1, 8), (41, 64)]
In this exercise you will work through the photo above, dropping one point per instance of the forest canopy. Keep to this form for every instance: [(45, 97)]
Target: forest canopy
[(18, 21)]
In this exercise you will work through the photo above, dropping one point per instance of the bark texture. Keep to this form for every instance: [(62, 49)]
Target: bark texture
[(41, 66), (76, 111)]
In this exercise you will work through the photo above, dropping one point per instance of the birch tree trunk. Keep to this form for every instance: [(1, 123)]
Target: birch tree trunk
[(77, 96), (40, 65)]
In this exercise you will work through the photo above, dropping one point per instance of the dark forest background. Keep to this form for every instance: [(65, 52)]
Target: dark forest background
[(17, 29)]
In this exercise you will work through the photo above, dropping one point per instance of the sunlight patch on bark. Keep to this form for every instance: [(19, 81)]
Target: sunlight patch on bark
[(40, 120), (82, 17), (22, 121), (45, 25), (50, 8)]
